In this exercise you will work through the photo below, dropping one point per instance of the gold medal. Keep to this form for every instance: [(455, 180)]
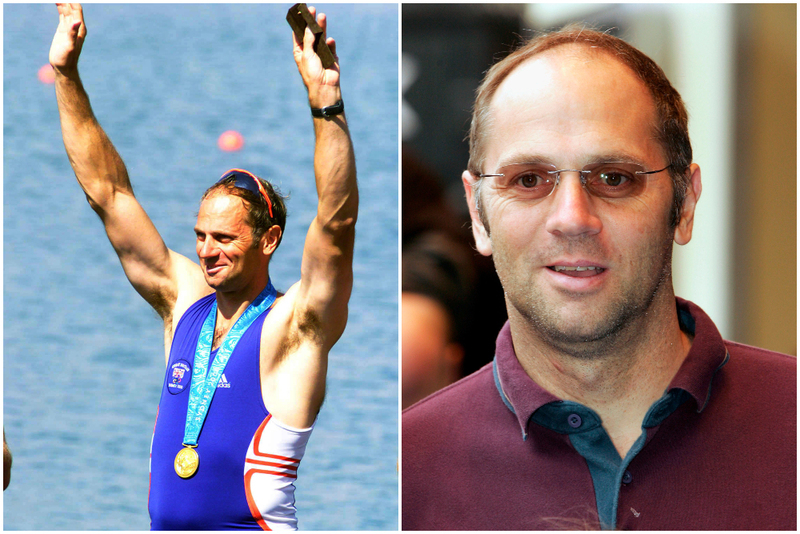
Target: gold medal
[(186, 461)]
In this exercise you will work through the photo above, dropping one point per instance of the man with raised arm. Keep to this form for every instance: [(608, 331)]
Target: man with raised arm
[(226, 457)]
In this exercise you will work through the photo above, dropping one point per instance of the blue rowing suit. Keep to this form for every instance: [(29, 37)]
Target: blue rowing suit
[(248, 460)]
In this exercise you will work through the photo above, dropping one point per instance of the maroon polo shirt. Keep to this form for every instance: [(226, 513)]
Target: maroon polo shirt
[(495, 451)]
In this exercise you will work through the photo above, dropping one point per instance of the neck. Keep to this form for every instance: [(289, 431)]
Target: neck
[(231, 304), (619, 377)]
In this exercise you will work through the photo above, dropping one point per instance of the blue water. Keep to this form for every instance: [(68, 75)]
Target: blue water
[(83, 353)]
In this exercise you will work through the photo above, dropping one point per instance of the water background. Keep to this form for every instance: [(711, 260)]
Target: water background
[(83, 353)]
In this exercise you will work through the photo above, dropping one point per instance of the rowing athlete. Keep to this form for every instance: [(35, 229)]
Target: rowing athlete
[(245, 364)]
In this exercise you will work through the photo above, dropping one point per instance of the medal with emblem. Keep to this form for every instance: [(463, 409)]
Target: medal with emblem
[(205, 378), (186, 462)]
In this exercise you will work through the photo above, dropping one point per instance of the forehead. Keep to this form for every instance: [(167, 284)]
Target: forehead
[(569, 104), (222, 211)]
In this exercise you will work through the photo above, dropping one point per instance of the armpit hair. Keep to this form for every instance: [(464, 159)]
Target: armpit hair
[(309, 328)]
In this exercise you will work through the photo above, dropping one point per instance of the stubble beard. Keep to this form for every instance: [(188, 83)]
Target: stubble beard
[(229, 283), (614, 322)]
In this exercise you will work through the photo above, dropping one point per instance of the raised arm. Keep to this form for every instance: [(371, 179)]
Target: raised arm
[(151, 267), (327, 267)]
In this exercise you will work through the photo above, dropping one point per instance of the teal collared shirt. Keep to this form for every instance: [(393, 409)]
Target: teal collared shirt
[(584, 428)]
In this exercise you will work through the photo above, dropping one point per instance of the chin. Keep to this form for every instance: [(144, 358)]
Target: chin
[(215, 282), (225, 285), (212, 284), (588, 331), (584, 333)]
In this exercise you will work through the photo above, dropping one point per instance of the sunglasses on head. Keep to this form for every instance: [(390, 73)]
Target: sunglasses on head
[(246, 180)]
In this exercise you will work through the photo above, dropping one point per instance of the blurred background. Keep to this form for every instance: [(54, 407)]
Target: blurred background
[(83, 357), (735, 67)]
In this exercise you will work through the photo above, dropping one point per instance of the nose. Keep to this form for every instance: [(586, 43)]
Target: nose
[(572, 211), (207, 247)]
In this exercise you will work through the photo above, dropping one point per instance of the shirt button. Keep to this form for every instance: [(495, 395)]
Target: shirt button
[(574, 420), (627, 477)]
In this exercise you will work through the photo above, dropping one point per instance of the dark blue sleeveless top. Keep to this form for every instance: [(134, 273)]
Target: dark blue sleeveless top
[(214, 498)]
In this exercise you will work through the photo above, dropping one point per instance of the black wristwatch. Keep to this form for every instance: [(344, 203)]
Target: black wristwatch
[(329, 111)]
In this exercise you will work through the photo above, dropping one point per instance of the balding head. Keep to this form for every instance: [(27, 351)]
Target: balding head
[(670, 127)]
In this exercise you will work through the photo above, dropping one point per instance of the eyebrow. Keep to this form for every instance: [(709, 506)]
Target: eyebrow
[(617, 157), (525, 160), (535, 159)]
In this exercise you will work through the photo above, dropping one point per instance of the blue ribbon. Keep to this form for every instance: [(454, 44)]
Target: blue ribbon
[(204, 385)]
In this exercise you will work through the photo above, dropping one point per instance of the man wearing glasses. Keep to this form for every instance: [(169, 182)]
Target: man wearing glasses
[(610, 403), (234, 465)]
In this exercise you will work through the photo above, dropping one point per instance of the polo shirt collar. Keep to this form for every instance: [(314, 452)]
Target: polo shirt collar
[(707, 355), (524, 397)]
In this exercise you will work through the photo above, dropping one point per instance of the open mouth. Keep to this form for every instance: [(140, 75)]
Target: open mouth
[(580, 272)]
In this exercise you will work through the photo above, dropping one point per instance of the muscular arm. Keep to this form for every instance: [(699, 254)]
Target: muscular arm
[(327, 273), (294, 371), (151, 267)]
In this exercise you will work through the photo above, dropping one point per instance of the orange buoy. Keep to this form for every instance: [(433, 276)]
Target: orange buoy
[(46, 74), (230, 141)]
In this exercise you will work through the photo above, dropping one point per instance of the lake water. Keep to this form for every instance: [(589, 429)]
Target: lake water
[(83, 353)]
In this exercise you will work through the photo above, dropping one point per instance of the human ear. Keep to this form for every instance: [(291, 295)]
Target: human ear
[(683, 231), (481, 234), (270, 239)]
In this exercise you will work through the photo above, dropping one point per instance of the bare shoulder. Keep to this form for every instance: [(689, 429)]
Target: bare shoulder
[(190, 286), (190, 282)]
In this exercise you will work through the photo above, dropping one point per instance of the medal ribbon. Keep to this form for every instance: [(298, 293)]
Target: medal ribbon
[(204, 385)]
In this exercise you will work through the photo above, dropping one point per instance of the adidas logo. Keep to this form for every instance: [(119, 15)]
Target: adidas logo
[(223, 382)]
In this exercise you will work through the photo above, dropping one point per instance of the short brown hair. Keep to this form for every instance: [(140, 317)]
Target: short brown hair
[(672, 120), (258, 216)]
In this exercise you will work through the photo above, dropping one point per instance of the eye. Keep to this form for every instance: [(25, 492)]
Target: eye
[(617, 180), (613, 178), (527, 181), (531, 179)]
